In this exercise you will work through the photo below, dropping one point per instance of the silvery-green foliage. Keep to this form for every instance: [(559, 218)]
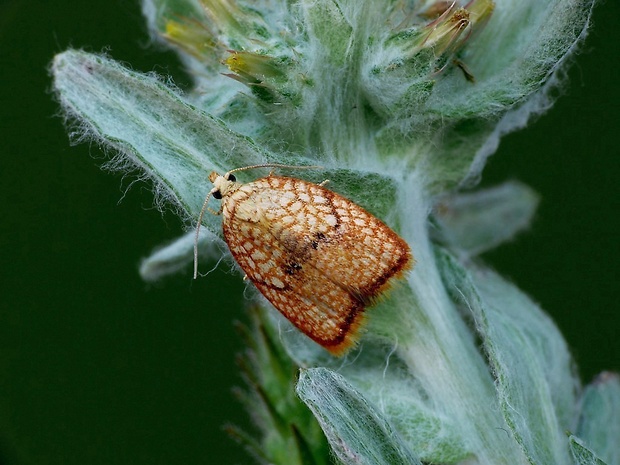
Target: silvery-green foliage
[(400, 103)]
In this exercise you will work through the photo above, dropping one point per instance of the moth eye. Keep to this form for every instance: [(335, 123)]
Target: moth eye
[(231, 177), (217, 195)]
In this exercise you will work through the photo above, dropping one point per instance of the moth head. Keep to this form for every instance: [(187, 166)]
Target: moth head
[(221, 184)]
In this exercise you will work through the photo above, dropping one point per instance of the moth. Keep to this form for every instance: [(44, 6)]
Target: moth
[(319, 258)]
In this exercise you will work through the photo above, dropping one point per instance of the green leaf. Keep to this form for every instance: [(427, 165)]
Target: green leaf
[(179, 255), (357, 432), (515, 61), (150, 124), (330, 28), (472, 223), (599, 419), (290, 433), (533, 368), (583, 455)]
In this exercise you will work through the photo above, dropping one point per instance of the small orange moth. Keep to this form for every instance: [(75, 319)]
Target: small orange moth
[(319, 258)]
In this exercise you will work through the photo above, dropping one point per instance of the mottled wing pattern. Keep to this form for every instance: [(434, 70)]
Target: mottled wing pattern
[(339, 238), (316, 256)]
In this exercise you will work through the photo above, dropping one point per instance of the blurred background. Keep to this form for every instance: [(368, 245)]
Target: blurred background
[(97, 367)]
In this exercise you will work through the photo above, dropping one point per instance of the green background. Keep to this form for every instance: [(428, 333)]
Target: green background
[(98, 367)]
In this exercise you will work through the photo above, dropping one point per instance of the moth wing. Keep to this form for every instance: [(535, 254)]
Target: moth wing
[(338, 237), (323, 310)]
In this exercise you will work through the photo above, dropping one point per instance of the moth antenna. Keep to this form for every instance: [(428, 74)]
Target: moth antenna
[(202, 213), (276, 165)]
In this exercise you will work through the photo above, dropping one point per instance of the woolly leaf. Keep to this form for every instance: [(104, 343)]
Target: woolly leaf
[(535, 383), (150, 124), (357, 432), (179, 254), (599, 420), (582, 455), (472, 223)]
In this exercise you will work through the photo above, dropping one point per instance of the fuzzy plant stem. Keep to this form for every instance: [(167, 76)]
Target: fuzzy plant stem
[(400, 103)]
